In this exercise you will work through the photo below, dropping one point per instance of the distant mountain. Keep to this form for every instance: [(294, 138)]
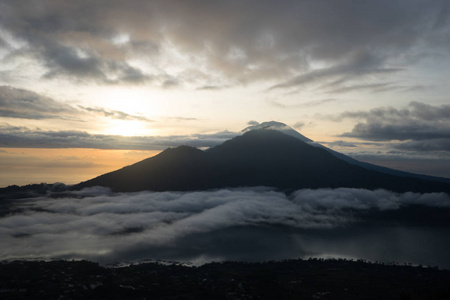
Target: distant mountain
[(278, 126), (260, 157), (289, 131)]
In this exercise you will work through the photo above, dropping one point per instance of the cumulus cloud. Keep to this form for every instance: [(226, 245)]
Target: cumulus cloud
[(97, 224), (423, 127), (238, 42)]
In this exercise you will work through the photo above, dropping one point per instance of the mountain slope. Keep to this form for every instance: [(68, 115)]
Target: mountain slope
[(289, 131), (258, 157), (181, 168)]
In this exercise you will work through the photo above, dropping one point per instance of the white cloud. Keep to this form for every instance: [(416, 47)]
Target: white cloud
[(97, 224)]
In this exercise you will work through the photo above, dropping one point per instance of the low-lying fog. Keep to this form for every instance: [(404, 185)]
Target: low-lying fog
[(252, 224)]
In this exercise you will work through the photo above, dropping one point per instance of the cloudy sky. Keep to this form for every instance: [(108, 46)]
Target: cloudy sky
[(89, 86)]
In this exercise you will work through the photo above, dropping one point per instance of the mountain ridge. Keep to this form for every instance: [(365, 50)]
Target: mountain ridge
[(258, 157), (274, 125)]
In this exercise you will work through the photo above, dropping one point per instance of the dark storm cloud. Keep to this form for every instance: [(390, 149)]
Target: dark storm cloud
[(243, 41), (97, 224), (424, 127), (23, 137)]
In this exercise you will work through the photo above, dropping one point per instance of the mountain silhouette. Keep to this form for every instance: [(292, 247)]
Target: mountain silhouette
[(259, 157), (289, 131)]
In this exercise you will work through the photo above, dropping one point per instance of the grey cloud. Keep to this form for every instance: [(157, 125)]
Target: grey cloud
[(182, 118), (401, 132), (222, 135), (209, 88), (65, 61), (244, 42), (361, 63), (299, 125), (25, 104), (415, 110), (4, 44), (114, 114), (427, 145), (302, 104), (424, 126), (97, 224), (417, 88), (129, 74), (143, 46), (23, 137), (374, 88), (341, 144), (171, 82), (429, 112)]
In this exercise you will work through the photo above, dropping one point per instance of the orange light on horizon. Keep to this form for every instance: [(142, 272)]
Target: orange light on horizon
[(22, 166)]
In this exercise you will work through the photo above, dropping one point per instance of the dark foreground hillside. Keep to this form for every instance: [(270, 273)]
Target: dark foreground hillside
[(290, 279)]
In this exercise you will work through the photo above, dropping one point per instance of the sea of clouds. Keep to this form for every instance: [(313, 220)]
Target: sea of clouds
[(257, 223)]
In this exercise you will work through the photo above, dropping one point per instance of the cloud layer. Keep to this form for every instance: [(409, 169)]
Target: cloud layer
[(420, 126), (25, 104), (111, 42), (23, 137), (256, 223)]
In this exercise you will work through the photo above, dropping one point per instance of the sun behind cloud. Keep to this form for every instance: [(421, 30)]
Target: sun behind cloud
[(127, 128)]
